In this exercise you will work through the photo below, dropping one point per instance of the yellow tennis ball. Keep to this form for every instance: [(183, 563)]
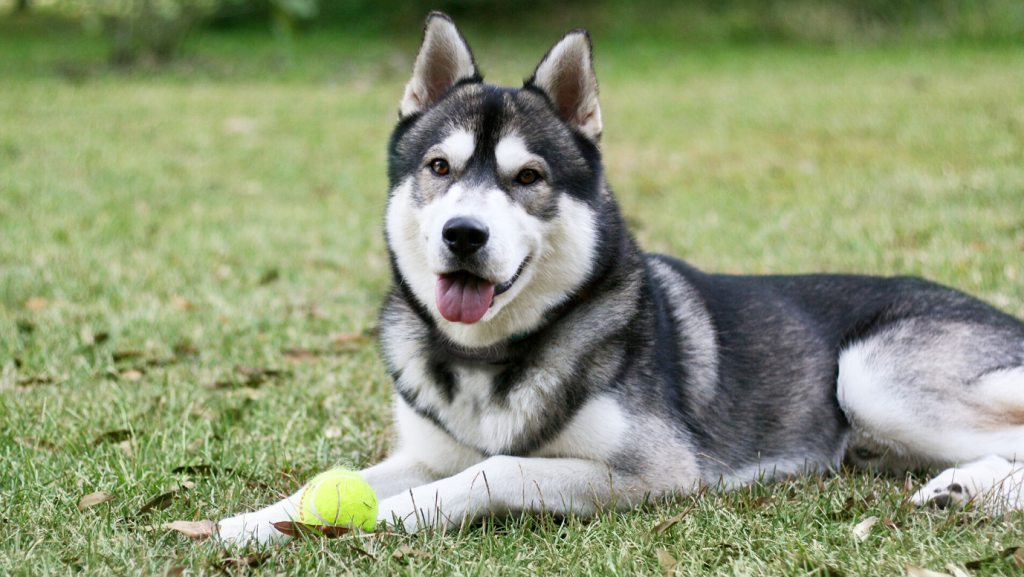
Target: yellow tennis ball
[(338, 498)]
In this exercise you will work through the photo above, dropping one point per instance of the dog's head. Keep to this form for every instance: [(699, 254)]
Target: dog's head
[(491, 220)]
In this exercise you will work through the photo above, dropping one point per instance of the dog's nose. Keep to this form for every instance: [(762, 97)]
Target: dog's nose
[(464, 236)]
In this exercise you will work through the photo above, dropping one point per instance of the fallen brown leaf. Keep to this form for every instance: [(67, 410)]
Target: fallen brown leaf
[(863, 529), (890, 524), (194, 529), (956, 571), (40, 444), (128, 449), (158, 503), (185, 348), (405, 550), (270, 276), (119, 356), (913, 571), (250, 561), (302, 530), (200, 470), (344, 338), (164, 500), (257, 373), (85, 335), (115, 436), (816, 567), (668, 523), (297, 355), (1015, 554), (131, 375), (667, 562), (40, 380), (93, 499), (36, 304), (183, 303), (361, 551)]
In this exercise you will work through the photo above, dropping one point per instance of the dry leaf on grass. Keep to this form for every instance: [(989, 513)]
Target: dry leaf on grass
[(1015, 555), (164, 500), (250, 561), (913, 571), (813, 567), (194, 529), (668, 523), (405, 550), (344, 338), (93, 499), (956, 571), (159, 502), (128, 448), (269, 276), (117, 436), (667, 562), (40, 444), (36, 304), (863, 529), (183, 304), (300, 355), (185, 348), (890, 524), (41, 380), (119, 356), (302, 530), (131, 375), (200, 470)]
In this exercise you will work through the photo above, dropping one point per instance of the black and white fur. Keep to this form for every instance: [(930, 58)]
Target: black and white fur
[(603, 375)]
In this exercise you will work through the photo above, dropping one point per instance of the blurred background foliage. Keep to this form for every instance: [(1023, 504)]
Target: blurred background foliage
[(156, 29)]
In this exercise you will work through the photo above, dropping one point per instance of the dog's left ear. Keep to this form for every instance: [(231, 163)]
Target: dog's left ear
[(566, 76), (444, 59)]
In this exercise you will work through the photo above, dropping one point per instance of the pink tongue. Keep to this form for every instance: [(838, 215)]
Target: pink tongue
[(463, 298)]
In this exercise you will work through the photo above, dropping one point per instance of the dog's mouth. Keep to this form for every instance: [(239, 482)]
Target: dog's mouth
[(463, 297)]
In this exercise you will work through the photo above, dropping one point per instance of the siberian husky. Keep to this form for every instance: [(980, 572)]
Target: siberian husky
[(542, 362)]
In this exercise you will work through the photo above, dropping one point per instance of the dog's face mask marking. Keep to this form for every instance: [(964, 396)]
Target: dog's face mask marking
[(491, 219)]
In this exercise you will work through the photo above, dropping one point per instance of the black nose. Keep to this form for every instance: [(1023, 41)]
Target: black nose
[(464, 236)]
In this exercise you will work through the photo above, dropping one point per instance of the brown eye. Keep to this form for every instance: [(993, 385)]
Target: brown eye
[(527, 176), (439, 166)]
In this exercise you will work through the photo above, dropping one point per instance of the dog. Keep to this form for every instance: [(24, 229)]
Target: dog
[(543, 363)]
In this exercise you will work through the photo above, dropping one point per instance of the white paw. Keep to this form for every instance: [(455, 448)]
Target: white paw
[(249, 530), (993, 482)]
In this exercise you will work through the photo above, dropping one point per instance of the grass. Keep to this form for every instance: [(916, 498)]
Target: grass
[(180, 248)]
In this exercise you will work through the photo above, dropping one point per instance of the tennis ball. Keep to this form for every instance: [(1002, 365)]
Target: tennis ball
[(338, 498)]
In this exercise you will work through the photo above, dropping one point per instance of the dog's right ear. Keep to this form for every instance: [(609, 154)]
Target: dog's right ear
[(443, 60)]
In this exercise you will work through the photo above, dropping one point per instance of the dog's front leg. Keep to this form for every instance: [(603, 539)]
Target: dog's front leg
[(503, 485), (257, 528)]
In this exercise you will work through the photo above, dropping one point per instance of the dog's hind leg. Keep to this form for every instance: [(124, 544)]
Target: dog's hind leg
[(933, 394)]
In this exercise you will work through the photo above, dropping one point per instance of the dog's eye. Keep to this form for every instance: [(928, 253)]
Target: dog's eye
[(527, 176), (440, 166)]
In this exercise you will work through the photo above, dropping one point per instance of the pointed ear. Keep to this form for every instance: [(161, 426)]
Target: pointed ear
[(566, 76), (444, 59)]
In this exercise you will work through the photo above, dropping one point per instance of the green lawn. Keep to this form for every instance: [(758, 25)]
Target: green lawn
[(186, 252)]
